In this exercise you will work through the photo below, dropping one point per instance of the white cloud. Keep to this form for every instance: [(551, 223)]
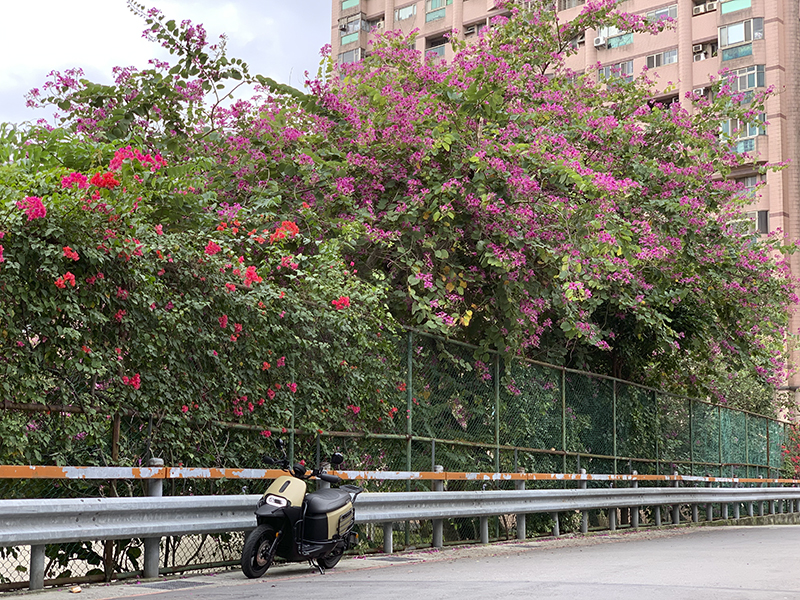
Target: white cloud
[(280, 40)]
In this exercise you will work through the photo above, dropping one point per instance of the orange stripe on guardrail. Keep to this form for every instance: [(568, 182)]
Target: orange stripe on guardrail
[(53, 472)]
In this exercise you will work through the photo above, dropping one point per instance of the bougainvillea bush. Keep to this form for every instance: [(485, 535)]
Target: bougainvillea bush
[(171, 247)]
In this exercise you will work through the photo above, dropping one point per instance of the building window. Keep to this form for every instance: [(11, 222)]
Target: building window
[(662, 58), (350, 27), (435, 9), (742, 134), (406, 12), (747, 80), (758, 221), (349, 4), (729, 6), (736, 40), (623, 70), (749, 185), (566, 4), (350, 56), (614, 37), (668, 12)]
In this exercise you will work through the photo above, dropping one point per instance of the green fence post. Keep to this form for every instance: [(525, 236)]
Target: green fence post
[(409, 401), (614, 420), (719, 438), (291, 439), (409, 428), (691, 436), (747, 447), (497, 413), (769, 463), (658, 433), (564, 419)]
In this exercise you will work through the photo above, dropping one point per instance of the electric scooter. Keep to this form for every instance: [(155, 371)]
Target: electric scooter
[(298, 526)]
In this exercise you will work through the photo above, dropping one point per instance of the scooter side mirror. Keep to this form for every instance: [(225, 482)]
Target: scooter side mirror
[(337, 459), (268, 460)]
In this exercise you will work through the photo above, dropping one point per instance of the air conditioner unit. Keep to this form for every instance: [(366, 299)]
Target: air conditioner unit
[(471, 30), (600, 42), (379, 25), (711, 6), (699, 9), (699, 57), (699, 91), (697, 48), (581, 39)]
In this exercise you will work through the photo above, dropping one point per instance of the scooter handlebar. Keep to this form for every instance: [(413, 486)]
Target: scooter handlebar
[(329, 478)]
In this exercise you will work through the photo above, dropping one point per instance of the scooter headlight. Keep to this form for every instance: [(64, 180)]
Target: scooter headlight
[(277, 501)]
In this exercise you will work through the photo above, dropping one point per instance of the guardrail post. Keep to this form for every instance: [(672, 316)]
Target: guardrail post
[(676, 508), (556, 528), (152, 546), (519, 484), (585, 513), (484, 530), (36, 578), (761, 502), (750, 509), (387, 538), (695, 513), (635, 509), (709, 506), (438, 524)]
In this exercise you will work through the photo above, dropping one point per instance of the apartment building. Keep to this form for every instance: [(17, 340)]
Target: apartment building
[(758, 41)]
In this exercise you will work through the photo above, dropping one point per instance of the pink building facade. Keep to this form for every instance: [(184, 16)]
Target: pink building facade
[(757, 39)]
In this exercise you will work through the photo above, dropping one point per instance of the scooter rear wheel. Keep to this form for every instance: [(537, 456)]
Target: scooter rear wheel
[(256, 558), (331, 560)]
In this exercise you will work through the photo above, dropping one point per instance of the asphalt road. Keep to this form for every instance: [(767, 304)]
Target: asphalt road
[(730, 563)]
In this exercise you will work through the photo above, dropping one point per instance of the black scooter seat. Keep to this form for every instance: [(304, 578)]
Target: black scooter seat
[(323, 501)]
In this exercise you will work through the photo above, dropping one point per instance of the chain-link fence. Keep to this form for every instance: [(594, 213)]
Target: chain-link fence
[(448, 409)]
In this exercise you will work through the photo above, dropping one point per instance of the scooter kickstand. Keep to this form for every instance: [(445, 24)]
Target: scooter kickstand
[(318, 566)]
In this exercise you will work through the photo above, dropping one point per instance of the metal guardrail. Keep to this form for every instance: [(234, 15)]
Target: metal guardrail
[(40, 522)]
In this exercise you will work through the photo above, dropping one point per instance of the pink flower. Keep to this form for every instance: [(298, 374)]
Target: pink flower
[(1, 254), (223, 321), (281, 361), (122, 294), (75, 178), (237, 328), (292, 387), (266, 433), (33, 207), (271, 394), (159, 230), (184, 408), (120, 313), (212, 248), (230, 287)]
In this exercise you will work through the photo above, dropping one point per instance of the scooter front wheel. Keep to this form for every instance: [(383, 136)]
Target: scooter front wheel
[(256, 555), (331, 560)]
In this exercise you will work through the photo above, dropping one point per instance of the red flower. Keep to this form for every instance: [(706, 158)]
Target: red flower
[(266, 433), (230, 287), (342, 303), (237, 328), (184, 408), (106, 180), (212, 248), (70, 253), (265, 366), (223, 321), (120, 313), (135, 382)]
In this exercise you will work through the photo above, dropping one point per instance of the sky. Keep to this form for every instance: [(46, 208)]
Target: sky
[(280, 39)]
